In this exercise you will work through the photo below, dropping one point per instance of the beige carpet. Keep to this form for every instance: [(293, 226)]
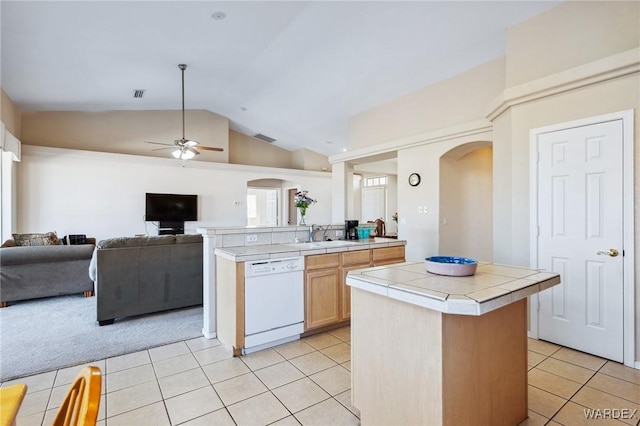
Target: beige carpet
[(46, 334)]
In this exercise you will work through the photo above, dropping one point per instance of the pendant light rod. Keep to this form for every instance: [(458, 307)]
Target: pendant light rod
[(182, 67)]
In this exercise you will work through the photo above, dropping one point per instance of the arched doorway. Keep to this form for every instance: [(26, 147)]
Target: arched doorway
[(466, 201), (264, 205)]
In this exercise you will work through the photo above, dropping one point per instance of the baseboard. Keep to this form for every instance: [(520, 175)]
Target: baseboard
[(212, 335)]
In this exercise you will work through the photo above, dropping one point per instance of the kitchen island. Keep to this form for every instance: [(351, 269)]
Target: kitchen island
[(438, 350)]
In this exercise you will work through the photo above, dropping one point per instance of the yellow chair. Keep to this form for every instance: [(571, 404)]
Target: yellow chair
[(82, 401), (10, 399)]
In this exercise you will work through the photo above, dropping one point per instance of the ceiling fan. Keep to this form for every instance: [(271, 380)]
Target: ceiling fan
[(183, 148)]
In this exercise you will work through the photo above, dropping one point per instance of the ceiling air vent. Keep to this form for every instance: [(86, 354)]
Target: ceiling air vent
[(264, 138), (139, 93)]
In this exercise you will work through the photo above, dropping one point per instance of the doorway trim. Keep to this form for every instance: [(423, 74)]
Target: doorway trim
[(628, 264)]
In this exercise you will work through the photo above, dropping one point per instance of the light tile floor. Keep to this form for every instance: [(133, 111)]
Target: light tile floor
[(196, 382)]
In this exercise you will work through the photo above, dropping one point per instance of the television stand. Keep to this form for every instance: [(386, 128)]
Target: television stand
[(170, 227)]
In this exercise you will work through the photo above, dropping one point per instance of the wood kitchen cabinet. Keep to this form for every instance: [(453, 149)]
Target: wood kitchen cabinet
[(387, 255), (349, 261), (230, 304), (322, 290), (327, 295)]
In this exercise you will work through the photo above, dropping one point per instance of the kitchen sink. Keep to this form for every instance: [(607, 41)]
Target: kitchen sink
[(339, 243)]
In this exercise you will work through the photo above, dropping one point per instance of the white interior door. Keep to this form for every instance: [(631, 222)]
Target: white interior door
[(580, 220), (373, 203)]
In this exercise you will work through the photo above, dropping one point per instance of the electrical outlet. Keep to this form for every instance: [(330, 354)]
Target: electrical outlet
[(425, 209), (339, 233), (252, 238), (419, 209)]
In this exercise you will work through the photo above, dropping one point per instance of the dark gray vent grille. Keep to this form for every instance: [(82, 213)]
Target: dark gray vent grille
[(139, 93), (264, 138)]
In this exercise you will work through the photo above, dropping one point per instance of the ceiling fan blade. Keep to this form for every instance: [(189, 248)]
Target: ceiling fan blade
[(158, 143), (162, 149), (188, 148), (190, 143), (209, 148)]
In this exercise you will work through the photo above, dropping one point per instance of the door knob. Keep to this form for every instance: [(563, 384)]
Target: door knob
[(610, 252)]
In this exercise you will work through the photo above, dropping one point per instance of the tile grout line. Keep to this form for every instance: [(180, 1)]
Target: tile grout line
[(305, 376), (585, 384), (224, 406), (201, 367)]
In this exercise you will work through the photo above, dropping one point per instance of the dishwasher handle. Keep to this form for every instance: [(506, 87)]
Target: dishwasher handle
[(274, 266)]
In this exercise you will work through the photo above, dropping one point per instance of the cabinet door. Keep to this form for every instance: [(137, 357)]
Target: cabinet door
[(356, 258), (350, 260), (345, 291), (388, 255), (322, 298), (322, 261)]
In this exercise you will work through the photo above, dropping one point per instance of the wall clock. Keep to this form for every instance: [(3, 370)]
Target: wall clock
[(414, 179)]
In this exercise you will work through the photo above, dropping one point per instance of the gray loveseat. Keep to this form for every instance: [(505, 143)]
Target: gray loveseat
[(30, 272), (141, 275)]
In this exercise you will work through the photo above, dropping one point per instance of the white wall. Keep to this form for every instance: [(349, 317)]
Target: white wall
[(422, 230), (578, 60), (103, 195), (466, 205), (355, 213), (392, 203)]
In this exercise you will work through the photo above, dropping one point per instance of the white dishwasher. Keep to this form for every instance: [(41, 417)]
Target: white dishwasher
[(273, 302)]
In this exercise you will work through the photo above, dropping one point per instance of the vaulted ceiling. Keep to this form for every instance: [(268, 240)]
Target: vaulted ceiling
[(292, 70)]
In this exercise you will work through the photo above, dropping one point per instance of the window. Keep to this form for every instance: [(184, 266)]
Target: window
[(375, 181), (252, 206)]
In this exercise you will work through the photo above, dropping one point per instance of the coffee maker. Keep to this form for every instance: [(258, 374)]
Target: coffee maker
[(350, 229)]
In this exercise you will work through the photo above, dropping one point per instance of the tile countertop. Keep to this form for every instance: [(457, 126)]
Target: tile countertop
[(277, 251), (493, 286)]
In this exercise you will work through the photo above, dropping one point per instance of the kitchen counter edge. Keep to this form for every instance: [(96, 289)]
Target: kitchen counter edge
[(278, 251)]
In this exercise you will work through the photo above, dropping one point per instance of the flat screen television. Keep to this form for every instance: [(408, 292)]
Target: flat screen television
[(171, 207)]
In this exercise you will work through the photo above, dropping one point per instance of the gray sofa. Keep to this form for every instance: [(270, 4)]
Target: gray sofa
[(30, 272), (141, 275)]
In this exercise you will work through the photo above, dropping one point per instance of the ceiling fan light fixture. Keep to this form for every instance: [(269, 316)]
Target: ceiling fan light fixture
[(187, 155), (184, 148), (183, 154)]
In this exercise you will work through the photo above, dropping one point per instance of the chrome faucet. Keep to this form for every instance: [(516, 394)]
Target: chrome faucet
[(324, 234), (315, 228)]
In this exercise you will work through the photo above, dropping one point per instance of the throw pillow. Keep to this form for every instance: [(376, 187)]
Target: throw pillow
[(47, 239), (75, 239), (9, 243)]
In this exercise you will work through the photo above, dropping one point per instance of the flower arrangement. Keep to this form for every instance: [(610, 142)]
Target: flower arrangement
[(303, 201), (395, 217)]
